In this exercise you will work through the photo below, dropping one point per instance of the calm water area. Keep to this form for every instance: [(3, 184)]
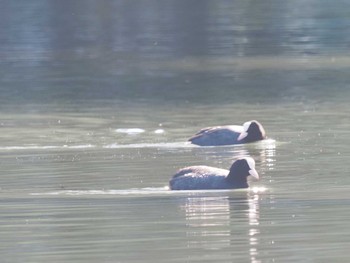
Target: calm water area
[(98, 99)]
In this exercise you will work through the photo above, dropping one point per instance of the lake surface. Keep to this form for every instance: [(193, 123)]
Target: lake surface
[(98, 99)]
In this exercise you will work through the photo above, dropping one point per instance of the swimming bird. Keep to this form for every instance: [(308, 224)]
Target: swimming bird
[(250, 131), (206, 177)]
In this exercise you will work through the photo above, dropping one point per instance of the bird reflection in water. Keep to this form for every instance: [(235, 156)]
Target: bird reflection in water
[(225, 221), (228, 221)]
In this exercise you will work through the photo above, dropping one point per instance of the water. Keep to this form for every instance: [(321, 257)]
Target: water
[(99, 98)]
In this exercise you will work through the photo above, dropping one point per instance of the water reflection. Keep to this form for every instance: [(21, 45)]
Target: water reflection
[(227, 223), (62, 50)]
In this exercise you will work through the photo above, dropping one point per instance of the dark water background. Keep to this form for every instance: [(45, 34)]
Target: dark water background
[(98, 99)]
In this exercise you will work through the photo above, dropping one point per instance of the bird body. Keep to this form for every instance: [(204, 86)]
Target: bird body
[(206, 177), (200, 177), (229, 134)]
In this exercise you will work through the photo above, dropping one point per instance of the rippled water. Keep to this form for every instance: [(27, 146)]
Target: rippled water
[(98, 100), (83, 196)]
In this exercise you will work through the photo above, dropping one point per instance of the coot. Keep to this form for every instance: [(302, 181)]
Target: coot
[(206, 177), (251, 131)]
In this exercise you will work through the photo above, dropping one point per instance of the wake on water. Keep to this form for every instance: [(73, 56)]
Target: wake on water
[(145, 191)]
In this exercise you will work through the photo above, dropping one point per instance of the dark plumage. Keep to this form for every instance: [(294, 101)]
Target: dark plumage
[(206, 177), (230, 134)]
